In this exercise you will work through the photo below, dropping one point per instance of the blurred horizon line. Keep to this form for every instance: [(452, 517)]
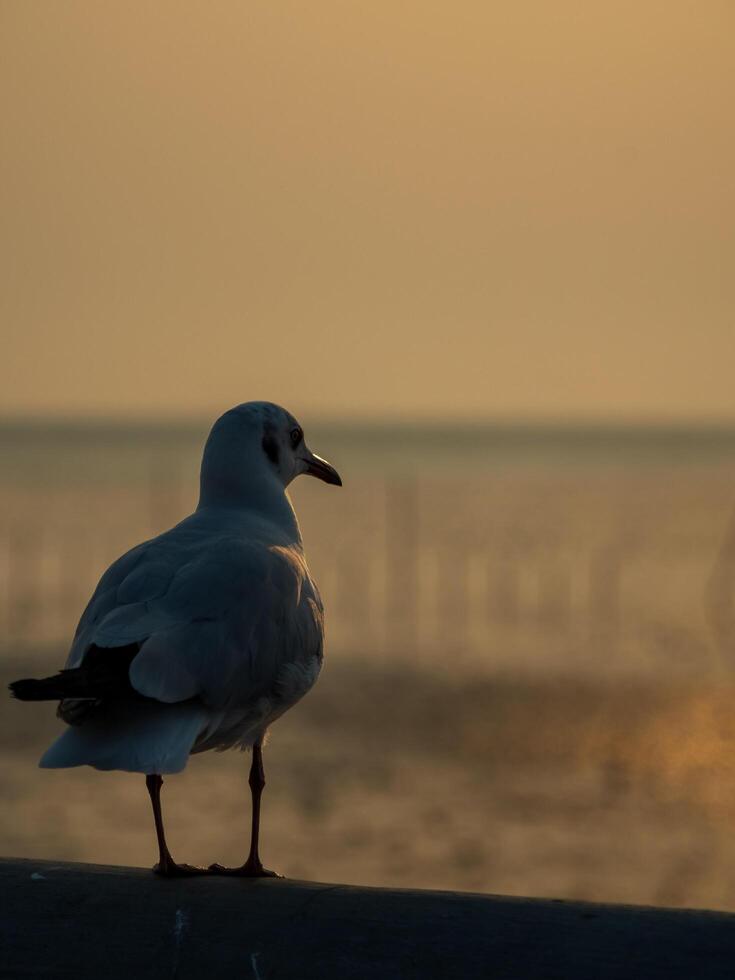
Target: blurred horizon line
[(405, 444), (79, 424)]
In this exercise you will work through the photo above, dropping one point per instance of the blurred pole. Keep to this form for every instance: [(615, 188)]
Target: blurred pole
[(718, 597), (453, 604), (57, 584), (77, 554), (22, 592), (503, 599), (401, 552), (352, 599), (554, 595), (604, 599)]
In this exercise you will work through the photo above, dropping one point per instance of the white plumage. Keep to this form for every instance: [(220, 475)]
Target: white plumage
[(228, 622)]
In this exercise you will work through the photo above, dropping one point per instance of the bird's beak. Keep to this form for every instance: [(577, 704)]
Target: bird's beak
[(320, 468)]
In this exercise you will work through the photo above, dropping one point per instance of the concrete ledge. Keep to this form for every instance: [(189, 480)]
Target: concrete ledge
[(76, 920)]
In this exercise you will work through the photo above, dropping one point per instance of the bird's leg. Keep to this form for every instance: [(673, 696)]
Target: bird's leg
[(256, 780), (166, 865), (253, 867)]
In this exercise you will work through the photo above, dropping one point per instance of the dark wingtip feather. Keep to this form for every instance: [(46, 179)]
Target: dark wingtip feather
[(23, 690), (104, 673), (30, 689)]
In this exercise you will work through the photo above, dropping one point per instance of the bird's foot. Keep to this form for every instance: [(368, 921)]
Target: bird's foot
[(251, 869), (170, 869)]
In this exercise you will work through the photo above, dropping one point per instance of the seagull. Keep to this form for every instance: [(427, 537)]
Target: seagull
[(203, 636)]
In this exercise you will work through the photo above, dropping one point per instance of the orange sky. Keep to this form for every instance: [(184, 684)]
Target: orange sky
[(414, 208)]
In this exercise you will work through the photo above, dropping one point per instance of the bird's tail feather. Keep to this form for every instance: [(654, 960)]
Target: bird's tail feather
[(135, 736), (67, 684)]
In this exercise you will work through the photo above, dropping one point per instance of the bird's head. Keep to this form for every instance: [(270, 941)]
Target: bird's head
[(258, 442), (285, 448)]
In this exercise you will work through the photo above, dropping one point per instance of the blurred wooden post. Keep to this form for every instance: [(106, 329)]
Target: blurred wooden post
[(604, 598), (453, 603), (402, 550), (352, 598), (554, 595), (719, 594), (4, 581), (503, 599), (23, 604)]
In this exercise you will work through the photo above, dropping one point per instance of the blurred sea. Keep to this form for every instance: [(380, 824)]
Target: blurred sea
[(528, 679), (496, 544)]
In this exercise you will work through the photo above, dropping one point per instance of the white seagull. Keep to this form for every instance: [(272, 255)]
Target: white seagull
[(200, 638)]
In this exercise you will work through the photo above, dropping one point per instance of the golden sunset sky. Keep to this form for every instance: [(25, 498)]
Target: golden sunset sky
[(385, 209)]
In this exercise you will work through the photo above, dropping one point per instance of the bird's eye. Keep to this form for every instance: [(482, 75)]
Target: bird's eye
[(296, 436)]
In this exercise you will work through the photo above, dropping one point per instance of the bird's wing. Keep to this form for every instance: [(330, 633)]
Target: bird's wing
[(215, 617), (106, 597), (123, 607)]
